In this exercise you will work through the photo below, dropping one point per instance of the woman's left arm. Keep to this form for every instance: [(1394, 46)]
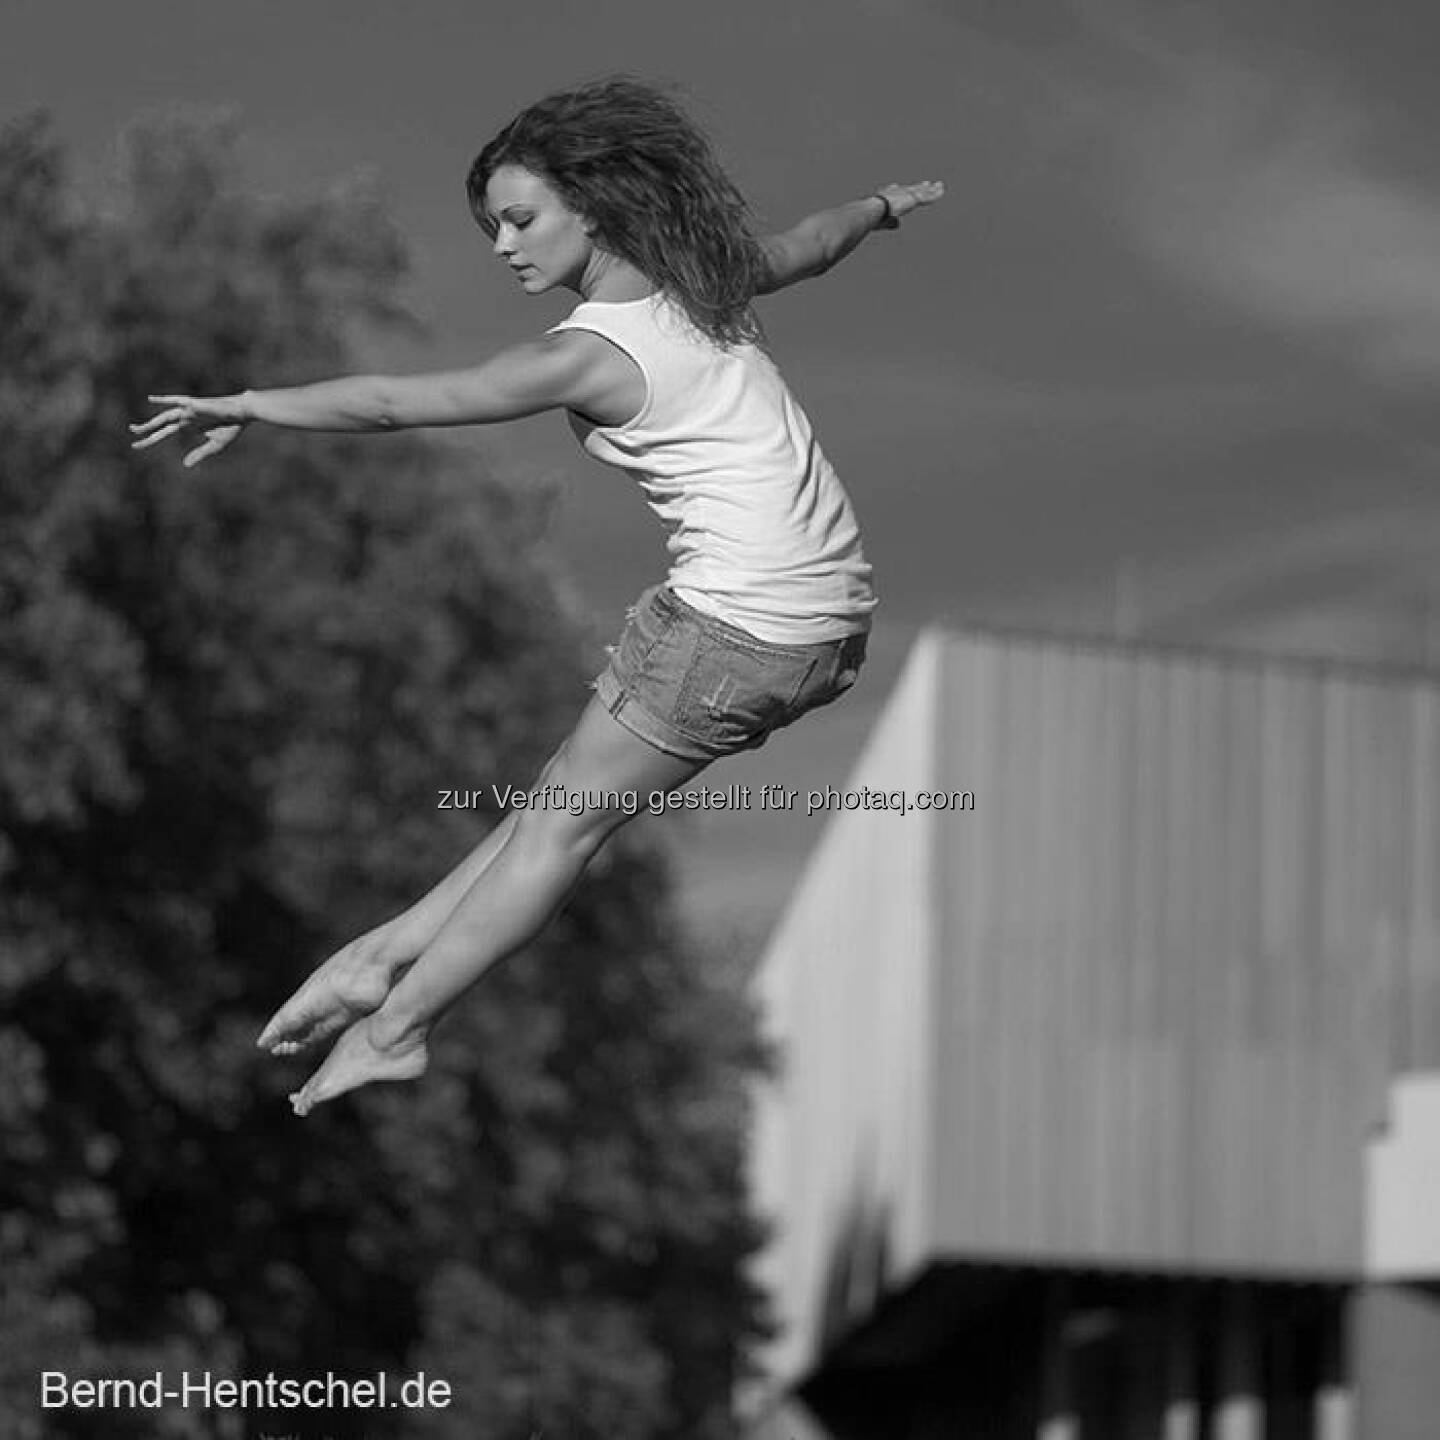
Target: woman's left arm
[(822, 240)]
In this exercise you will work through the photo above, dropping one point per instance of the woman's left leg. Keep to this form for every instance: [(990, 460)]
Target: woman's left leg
[(355, 980), (522, 887)]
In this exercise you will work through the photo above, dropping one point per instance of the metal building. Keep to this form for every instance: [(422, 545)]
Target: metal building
[(1105, 1108)]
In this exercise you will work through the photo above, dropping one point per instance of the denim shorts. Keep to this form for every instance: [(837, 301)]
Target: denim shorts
[(697, 687)]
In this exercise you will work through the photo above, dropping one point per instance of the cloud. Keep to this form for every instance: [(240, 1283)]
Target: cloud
[(1270, 190)]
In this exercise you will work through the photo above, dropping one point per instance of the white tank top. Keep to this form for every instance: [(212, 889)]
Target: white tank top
[(762, 533)]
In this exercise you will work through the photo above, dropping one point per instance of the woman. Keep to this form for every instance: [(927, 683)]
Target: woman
[(609, 191)]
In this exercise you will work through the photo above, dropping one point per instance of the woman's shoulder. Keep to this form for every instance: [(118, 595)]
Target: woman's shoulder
[(659, 326)]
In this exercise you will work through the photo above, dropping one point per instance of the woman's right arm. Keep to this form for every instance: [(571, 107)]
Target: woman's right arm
[(353, 402), (822, 240), (566, 370)]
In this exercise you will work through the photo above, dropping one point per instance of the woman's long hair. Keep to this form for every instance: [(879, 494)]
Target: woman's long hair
[(629, 160)]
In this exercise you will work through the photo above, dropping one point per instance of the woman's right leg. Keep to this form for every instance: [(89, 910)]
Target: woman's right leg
[(413, 929)]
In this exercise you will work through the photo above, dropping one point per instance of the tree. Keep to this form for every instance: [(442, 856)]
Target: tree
[(228, 699)]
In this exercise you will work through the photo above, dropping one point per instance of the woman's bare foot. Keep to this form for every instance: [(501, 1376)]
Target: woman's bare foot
[(352, 983), (359, 1058)]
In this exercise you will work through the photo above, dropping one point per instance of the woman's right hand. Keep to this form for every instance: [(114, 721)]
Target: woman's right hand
[(232, 413)]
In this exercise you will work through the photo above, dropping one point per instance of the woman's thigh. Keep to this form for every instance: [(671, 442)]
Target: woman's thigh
[(601, 756)]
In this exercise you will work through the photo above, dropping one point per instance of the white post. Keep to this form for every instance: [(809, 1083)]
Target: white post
[(1334, 1397), (1182, 1408), (1058, 1420), (1240, 1414)]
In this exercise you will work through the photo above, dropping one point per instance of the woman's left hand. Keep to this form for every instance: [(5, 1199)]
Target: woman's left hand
[(230, 411), (902, 199)]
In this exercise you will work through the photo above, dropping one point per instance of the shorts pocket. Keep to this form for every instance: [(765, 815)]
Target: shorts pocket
[(645, 642), (735, 695), (834, 673), (849, 657)]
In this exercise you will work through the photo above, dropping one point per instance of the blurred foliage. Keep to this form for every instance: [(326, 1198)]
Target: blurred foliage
[(228, 698)]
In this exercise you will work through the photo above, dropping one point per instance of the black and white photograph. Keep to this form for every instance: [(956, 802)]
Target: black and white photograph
[(719, 722)]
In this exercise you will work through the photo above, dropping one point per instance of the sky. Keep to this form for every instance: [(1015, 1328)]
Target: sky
[(1160, 365)]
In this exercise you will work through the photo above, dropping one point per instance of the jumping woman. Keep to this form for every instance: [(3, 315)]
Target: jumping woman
[(609, 191)]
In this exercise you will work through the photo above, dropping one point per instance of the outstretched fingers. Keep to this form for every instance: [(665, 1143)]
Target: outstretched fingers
[(907, 197), (158, 427), (224, 415), (216, 440)]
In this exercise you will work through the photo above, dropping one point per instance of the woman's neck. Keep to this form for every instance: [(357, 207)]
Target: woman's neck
[(611, 279)]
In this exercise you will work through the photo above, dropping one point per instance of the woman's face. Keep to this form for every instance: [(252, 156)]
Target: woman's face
[(537, 235)]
